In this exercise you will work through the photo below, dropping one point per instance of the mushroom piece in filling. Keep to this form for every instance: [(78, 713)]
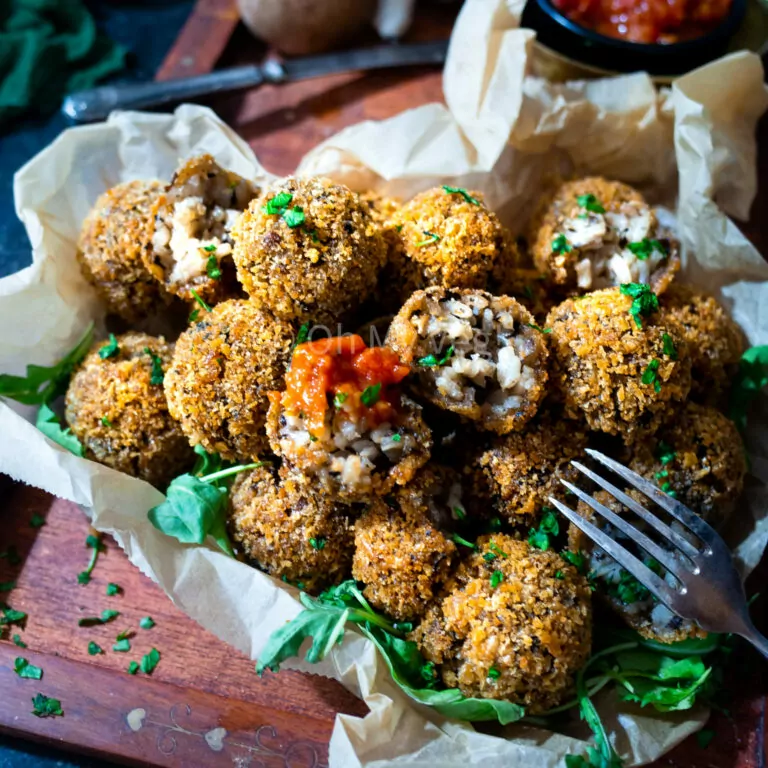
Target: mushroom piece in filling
[(478, 355), (343, 420), (593, 233), (192, 241)]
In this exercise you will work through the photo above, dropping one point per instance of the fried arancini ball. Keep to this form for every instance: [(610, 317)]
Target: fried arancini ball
[(290, 531), (223, 367), (116, 408), (114, 240), (715, 341), (308, 250), (701, 458), (518, 472), (192, 239), (449, 240), (512, 623), (623, 594), (593, 233), (625, 380), (400, 555), (477, 355)]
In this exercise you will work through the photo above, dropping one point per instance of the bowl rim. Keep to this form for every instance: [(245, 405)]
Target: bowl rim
[(726, 26)]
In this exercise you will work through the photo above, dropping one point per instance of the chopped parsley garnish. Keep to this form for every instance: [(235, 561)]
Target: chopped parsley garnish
[(497, 550), (210, 248), (113, 589), (94, 542), (431, 238), (548, 526), (645, 302), (36, 521), (106, 422), (7, 586), (664, 453), (11, 616), (340, 398), (157, 367), (396, 438), (559, 575), (28, 671), (317, 543), (312, 438), (212, 266), (45, 707), (94, 649), (294, 217), (17, 641), (668, 345), (431, 361), (667, 488), (650, 375), (370, 395), (147, 623), (489, 557), (133, 668), (276, 205), (539, 328), (105, 618), (196, 296), (150, 661), (110, 349), (464, 543), (463, 192), (628, 589), (496, 578), (495, 523), (663, 473), (561, 245), (302, 335), (460, 513), (591, 203), (494, 673), (645, 247), (122, 646), (193, 315)]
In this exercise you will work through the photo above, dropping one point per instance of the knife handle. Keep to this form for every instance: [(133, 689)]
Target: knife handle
[(97, 103)]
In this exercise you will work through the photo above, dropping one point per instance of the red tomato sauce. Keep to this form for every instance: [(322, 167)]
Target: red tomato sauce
[(647, 21), (342, 369)]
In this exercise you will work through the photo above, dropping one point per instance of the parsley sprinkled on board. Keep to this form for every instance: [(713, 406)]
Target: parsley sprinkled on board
[(496, 578), (147, 622), (212, 266), (644, 301), (294, 217), (105, 618), (12, 616), (370, 395), (133, 668), (668, 346), (28, 671), (650, 375), (158, 376), (42, 384), (150, 661), (113, 589), (276, 205), (110, 349), (494, 673), (463, 542), (94, 542), (561, 245), (432, 361), (461, 191), (643, 249), (431, 238), (94, 649), (17, 641), (36, 521), (122, 646), (591, 203), (317, 543), (196, 296), (42, 706)]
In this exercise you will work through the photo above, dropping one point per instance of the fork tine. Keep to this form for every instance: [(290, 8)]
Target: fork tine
[(663, 556), (679, 541), (679, 511), (655, 584)]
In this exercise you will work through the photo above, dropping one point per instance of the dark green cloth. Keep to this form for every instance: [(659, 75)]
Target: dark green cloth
[(49, 48)]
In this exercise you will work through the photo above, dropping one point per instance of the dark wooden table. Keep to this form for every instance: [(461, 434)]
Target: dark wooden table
[(204, 704)]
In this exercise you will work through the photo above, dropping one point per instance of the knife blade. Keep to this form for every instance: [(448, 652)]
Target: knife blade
[(97, 103)]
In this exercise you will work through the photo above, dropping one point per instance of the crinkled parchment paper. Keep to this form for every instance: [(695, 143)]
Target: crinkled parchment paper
[(503, 133)]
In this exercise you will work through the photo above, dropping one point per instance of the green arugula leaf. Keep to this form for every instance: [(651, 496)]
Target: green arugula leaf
[(110, 349), (42, 384), (751, 379), (42, 706), (644, 301), (461, 191), (28, 671), (150, 661), (48, 423)]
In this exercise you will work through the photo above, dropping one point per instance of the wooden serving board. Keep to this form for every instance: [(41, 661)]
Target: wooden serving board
[(204, 704)]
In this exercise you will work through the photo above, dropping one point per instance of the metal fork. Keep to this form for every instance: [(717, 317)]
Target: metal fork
[(709, 591)]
